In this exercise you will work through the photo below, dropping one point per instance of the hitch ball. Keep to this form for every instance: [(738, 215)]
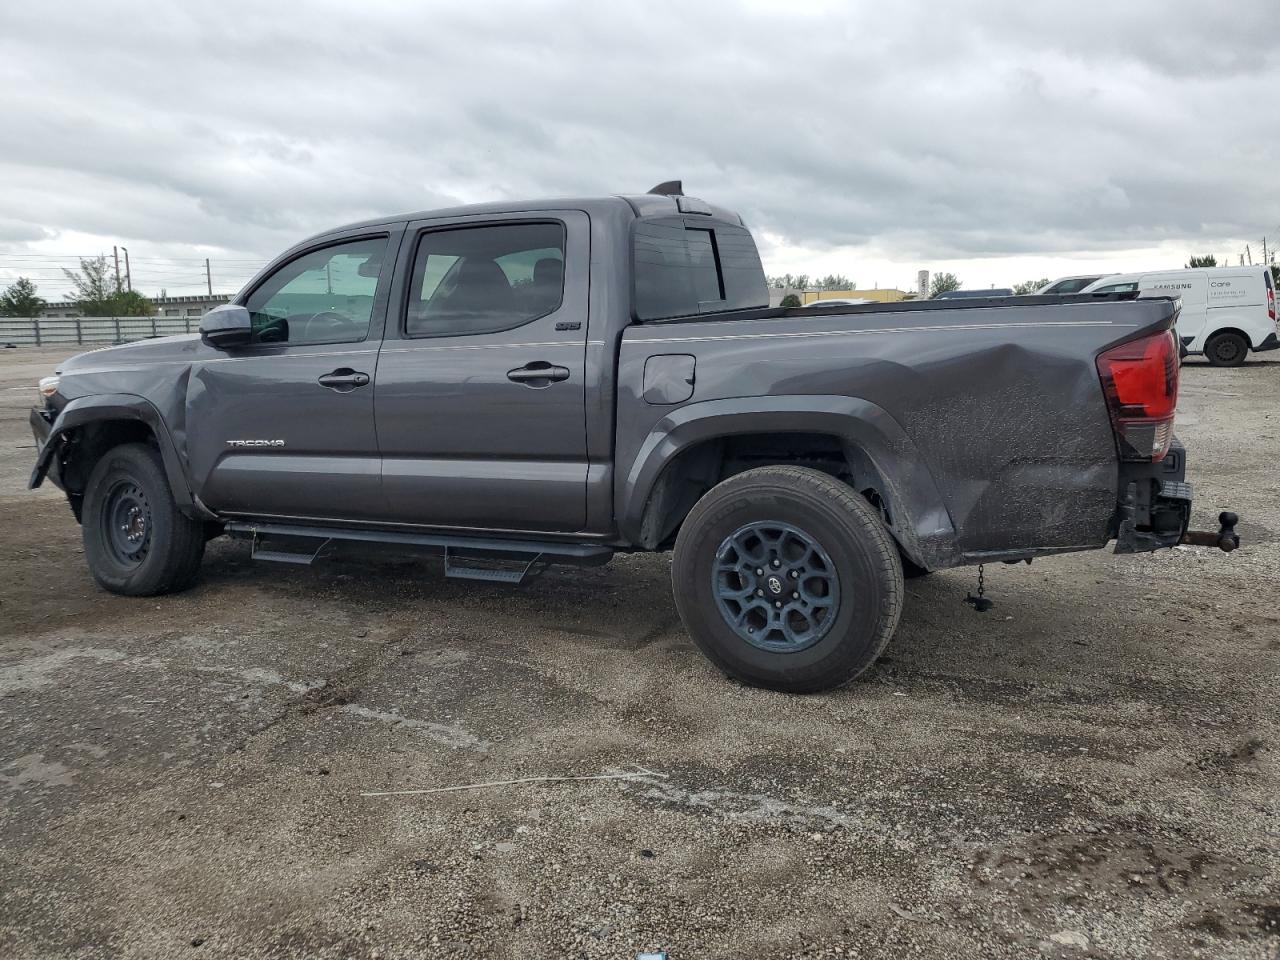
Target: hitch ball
[(1226, 539)]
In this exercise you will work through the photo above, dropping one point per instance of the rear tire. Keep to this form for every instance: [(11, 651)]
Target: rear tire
[(1226, 349), (136, 540), (787, 579)]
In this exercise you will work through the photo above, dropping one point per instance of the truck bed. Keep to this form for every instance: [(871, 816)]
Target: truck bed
[(981, 424), (900, 306)]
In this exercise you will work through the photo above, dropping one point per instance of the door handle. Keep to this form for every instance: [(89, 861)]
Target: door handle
[(344, 380), (538, 374)]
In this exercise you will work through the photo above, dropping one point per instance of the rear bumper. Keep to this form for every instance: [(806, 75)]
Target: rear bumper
[(1154, 505)]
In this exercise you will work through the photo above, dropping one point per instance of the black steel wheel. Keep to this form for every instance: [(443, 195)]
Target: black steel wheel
[(126, 519), (136, 540), (1226, 349), (788, 579)]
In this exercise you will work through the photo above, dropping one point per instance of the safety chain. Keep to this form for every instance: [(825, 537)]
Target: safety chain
[(980, 603)]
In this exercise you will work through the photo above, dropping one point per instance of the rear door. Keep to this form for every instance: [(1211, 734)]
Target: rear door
[(1238, 299), (284, 426), (481, 414)]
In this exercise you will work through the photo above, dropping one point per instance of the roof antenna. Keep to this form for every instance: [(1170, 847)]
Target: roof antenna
[(671, 188)]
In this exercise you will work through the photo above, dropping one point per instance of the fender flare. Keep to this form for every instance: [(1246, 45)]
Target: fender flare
[(120, 406), (921, 522)]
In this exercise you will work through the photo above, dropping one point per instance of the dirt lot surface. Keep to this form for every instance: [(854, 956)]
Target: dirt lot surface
[(1090, 769)]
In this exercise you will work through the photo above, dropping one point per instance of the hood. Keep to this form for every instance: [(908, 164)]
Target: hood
[(129, 356)]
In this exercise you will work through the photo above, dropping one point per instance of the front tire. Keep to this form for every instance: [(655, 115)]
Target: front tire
[(136, 540), (1226, 349), (787, 579)]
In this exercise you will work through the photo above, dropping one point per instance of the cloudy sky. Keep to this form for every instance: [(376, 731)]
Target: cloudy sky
[(1003, 140)]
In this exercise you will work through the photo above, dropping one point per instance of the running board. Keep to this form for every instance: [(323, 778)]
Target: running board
[(466, 558), (259, 551), (512, 568)]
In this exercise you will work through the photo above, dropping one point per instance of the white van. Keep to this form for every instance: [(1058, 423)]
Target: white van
[(1226, 311)]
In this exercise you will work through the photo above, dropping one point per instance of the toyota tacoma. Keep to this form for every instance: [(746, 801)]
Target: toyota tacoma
[(517, 384)]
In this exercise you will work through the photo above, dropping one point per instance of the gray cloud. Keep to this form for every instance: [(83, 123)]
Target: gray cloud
[(978, 129)]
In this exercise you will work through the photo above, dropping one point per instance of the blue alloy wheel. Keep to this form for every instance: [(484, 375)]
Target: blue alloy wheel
[(775, 587)]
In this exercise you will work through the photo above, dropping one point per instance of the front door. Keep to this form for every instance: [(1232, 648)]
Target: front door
[(481, 397), (284, 426)]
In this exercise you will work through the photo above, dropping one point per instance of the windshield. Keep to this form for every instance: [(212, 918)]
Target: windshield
[(1073, 286)]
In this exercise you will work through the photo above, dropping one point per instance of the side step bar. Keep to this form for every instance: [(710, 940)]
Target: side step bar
[(469, 558)]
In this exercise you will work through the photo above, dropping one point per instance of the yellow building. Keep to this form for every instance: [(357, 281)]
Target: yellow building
[(883, 296)]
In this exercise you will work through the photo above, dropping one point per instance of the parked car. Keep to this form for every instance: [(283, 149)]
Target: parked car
[(513, 384), (1064, 285), (838, 302), (1226, 311), (972, 294)]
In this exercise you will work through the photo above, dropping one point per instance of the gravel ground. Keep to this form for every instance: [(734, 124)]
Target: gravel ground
[(1090, 769)]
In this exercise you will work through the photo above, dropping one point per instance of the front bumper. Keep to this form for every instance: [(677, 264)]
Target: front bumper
[(46, 462), (1154, 506)]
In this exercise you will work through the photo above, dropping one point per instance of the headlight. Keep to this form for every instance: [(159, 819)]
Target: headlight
[(48, 387)]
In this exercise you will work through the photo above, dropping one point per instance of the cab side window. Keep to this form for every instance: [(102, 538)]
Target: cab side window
[(485, 279), (692, 265), (325, 296)]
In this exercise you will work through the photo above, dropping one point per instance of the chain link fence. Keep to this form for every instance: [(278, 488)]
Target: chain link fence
[(52, 331)]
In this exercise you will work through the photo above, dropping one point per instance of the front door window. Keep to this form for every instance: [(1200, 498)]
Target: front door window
[(325, 296)]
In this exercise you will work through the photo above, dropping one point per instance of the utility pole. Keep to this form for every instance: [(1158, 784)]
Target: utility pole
[(328, 278), (208, 276), (128, 274), (1249, 253), (115, 252)]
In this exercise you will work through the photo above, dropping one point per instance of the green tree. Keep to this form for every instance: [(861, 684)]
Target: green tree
[(98, 294), (1275, 274), (1028, 287), (801, 280), (943, 282), (130, 303), (20, 300), (835, 281), (790, 300), (1208, 260), (94, 287)]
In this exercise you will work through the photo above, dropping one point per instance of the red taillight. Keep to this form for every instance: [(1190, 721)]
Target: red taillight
[(1140, 380), (1271, 304)]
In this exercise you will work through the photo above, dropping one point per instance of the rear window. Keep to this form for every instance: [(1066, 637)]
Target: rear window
[(688, 266)]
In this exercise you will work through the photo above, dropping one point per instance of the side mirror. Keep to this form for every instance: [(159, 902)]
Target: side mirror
[(226, 326)]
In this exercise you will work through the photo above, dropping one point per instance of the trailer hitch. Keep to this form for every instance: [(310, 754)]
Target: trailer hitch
[(1226, 539)]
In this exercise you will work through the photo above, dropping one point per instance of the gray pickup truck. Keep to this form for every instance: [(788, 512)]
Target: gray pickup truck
[(516, 384)]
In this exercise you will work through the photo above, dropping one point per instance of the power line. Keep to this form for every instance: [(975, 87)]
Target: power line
[(24, 255)]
